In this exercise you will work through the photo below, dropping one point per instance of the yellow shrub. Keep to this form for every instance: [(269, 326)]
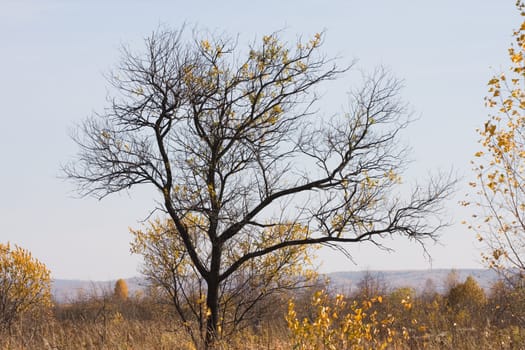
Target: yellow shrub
[(25, 284), (337, 324)]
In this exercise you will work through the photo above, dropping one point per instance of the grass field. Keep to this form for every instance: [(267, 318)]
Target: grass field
[(465, 317)]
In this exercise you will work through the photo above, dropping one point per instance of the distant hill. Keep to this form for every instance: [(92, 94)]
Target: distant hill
[(346, 281)]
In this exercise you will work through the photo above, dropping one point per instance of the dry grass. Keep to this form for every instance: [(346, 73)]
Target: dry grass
[(121, 334)]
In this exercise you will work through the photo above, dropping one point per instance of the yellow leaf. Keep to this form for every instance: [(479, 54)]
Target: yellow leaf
[(205, 45), (516, 57)]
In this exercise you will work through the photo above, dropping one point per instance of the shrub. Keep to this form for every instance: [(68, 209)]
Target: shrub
[(337, 324), (25, 284), (121, 290)]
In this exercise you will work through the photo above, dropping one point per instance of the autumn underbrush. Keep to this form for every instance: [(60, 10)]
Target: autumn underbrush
[(369, 316)]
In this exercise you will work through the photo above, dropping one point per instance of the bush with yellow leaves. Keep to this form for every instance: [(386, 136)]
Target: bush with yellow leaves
[(25, 284), (338, 324)]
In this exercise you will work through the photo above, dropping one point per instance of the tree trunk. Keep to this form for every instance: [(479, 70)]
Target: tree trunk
[(212, 300), (212, 322)]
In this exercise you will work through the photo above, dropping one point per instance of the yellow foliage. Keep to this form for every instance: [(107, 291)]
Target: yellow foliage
[(121, 289), (25, 283), (500, 165), (205, 45), (337, 324)]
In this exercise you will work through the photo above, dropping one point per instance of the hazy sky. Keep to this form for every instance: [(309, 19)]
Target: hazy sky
[(54, 55)]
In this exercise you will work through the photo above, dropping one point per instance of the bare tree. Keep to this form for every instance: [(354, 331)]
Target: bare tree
[(233, 139), (371, 285)]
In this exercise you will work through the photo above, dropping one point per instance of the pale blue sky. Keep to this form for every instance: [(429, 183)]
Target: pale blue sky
[(54, 55)]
